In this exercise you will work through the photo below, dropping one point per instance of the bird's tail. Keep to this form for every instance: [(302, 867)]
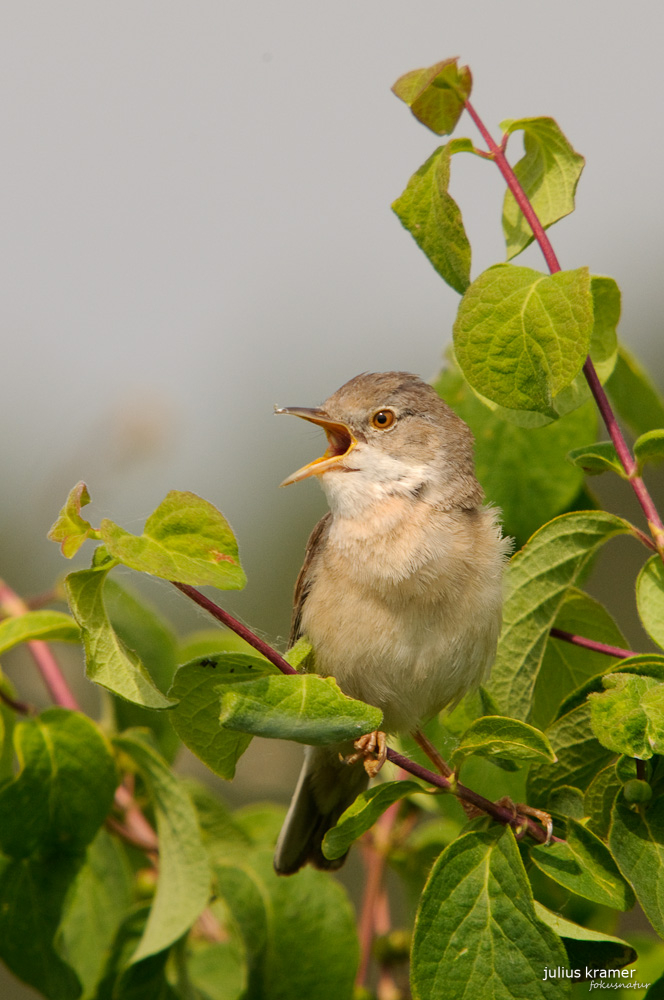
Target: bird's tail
[(325, 789)]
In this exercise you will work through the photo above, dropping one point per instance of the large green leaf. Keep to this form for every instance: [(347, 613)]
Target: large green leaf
[(363, 813), (299, 933), (583, 864), (305, 708), (196, 716), (185, 539), (95, 907), (565, 666), (599, 798), (433, 219), (53, 626), (537, 582), (140, 628), (521, 337), (548, 173), (650, 599), (586, 947), (476, 932), (183, 887), (32, 894), (628, 717), (107, 661), (504, 738), (580, 757), (636, 840), (64, 788), (514, 464), (436, 95)]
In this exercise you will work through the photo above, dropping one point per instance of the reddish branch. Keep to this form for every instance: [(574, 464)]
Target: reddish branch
[(622, 449), (597, 647)]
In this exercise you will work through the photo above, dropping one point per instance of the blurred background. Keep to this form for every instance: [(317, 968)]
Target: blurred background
[(196, 225)]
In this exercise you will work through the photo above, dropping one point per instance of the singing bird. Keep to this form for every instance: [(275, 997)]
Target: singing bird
[(400, 594)]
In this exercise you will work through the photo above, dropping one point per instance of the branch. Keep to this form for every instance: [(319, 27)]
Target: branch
[(502, 814), (622, 449), (597, 647)]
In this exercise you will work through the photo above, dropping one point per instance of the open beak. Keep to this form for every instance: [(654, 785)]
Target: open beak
[(340, 441)]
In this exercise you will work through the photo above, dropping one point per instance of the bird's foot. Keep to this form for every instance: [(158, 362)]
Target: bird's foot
[(371, 749), (521, 809)]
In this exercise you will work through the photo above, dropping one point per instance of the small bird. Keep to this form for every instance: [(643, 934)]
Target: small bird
[(400, 594)]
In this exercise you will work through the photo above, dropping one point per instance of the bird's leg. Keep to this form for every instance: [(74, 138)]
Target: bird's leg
[(372, 750)]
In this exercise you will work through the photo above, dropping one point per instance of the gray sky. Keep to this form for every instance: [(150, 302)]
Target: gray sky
[(196, 225)]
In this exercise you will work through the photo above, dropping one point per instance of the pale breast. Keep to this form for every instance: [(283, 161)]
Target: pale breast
[(405, 612)]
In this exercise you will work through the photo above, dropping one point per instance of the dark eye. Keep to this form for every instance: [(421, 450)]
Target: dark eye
[(383, 419)]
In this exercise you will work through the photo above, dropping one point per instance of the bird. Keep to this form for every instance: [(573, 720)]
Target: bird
[(400, 594)]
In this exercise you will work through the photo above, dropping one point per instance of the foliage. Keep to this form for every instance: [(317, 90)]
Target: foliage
[(153, 888)]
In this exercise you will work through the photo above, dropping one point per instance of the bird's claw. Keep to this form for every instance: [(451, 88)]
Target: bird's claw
[(371, 749)]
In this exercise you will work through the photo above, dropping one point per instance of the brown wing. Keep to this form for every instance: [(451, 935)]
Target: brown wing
[(303, 585)]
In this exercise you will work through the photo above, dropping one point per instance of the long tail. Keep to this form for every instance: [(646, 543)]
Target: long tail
[(325, 789)]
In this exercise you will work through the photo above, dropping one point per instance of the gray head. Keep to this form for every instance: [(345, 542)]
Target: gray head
[(390, 433)]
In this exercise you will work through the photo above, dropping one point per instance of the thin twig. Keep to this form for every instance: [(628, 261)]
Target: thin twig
[(622, 448), (597, 647)]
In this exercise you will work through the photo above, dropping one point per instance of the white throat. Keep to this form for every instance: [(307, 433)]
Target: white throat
[(371, 477)]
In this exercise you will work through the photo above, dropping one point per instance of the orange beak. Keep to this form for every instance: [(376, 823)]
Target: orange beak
[(340, 441)]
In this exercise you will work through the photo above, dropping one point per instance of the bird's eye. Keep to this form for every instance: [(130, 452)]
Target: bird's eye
[(383, 419)]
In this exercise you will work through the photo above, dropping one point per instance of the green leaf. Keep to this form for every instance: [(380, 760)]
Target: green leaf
[(196, 717), (305, 708), (183, 887), (290, 957), (508, 739), (32, 893), (565, 666), (217, 970), (628, 717), (107, 661), (185, 539), (650, 599), (586, 947), (70, 529), (64, 788), (363, 813), (53, 626), (636, 840), (140, 628), (644, 664), (144, 980), (537, 582), (476, 932), (583, 864), (300, 656), (548, 173), (580, 757), (433, 219), (567, 801), (514, 464), (599, 799), (634, 395), (649, 447), (436, 95), (597, 458), (96, 905), (521, 336)]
